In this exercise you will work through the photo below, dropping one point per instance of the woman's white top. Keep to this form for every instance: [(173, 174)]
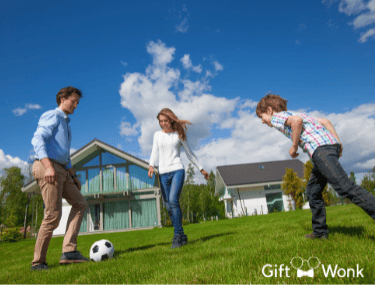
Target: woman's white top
[(167, 147)]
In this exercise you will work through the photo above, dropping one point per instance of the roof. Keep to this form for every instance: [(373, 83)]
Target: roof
[(86, 153), (259, 172)]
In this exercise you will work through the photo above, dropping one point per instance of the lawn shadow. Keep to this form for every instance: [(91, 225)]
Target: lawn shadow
[(349, 230), (118, 253), (204, 239), (131, 249)]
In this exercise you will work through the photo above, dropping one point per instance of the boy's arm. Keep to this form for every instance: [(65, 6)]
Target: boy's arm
[(328, 125), (295, 123)]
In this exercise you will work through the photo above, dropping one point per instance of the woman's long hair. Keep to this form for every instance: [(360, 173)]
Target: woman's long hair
[(178, 125)]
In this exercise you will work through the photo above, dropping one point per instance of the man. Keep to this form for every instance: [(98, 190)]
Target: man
[(57, 179)]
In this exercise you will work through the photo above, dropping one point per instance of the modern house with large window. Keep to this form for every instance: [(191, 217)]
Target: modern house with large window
[(119, 193), (255, 188)]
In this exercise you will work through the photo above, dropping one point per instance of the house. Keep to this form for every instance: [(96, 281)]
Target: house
[(116, 186), (255, 188)]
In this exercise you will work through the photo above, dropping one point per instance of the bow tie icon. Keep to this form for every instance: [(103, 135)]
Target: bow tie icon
[(309, 273)]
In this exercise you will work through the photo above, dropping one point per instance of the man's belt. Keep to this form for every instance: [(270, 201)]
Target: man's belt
[(63, 165)]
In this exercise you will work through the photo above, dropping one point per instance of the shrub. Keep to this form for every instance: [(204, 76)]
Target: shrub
[(12, 235)]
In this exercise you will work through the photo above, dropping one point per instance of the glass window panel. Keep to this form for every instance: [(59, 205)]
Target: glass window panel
[(144, 213), (139, 178), (116, 215), (108, 180), (82, 178), (93, 162), (83, 227), (94, 181), (108, 158), (275, 202), (121, 179), (272, 187), (95, 217)]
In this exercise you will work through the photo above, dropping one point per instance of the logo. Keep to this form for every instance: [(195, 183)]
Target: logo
[(297, 262), (282, 270)]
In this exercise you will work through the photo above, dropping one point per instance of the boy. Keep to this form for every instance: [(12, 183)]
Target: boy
[(317, 137)]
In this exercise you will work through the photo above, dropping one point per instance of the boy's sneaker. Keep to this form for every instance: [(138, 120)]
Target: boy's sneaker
[(312, 236), (184, 239), (42, 266), (176, 242), (72, 257)]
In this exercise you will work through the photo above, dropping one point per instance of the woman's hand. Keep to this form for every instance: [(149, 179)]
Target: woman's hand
[(150, 171), (205, 174)]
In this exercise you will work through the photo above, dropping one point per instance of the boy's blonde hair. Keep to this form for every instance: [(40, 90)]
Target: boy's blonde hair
[(277, 104)]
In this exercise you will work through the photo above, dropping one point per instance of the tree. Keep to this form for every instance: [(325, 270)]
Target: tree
[(368, 181), (292, 186), (13, 201), (308, 166), (186, 191), (352, 177), (211, 182)]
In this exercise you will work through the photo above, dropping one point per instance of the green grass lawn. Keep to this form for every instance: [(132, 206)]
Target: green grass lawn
[(226, 251)]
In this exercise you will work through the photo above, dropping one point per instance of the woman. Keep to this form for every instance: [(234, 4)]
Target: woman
[(167, 144)]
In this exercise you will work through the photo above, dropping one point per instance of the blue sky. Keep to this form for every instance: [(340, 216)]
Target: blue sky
[(209, 61)]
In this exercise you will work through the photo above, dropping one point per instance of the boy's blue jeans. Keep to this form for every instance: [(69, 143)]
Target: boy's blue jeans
[(171, 184), (327, 168)]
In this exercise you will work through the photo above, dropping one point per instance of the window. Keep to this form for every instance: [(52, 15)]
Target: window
[(272, 187), (93, 162), (108, 158)]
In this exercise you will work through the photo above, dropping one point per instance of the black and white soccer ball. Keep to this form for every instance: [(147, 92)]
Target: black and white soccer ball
[(101, 250)]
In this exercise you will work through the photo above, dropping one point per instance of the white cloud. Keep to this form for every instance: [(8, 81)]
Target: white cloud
[(351, 7), (365, 36), (301, 27), (186, 62), (19, 111), (248, 104), (127, 130), (33, 106), (72, 150), (124, 63), (355, 129), (247, 139), (364, 19), (218, 66), (7, 161), (160, 53), (183, 26), (365, 15)]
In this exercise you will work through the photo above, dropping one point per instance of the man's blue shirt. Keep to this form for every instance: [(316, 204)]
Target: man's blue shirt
[(53, 137)]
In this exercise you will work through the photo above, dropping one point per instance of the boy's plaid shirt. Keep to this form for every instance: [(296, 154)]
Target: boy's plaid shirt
[(313, 134)]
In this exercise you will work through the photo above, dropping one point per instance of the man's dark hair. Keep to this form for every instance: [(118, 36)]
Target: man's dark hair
[(66, 92)]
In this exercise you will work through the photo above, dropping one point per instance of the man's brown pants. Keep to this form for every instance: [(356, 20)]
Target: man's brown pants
[(64, 187)]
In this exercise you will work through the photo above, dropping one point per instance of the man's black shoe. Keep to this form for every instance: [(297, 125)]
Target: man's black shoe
[(42, 266), (176, 242), (184, 239), (72, 257), (312, 236)]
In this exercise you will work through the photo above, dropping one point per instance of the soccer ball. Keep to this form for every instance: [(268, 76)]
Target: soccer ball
[(101, 250)]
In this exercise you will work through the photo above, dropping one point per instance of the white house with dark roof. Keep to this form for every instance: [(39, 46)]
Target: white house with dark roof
[(255, 188), (116, 186)]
